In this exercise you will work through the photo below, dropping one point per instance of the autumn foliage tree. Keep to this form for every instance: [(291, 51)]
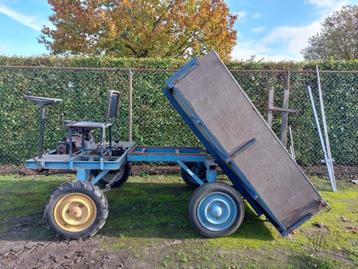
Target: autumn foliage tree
[(140, 28)]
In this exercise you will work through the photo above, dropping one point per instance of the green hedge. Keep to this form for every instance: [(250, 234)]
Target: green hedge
[(154, 122), (155, 63)]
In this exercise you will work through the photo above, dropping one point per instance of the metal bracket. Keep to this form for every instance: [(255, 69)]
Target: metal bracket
[(211, 170), (328, 160), (239, 149), (197, 122), (193, 175), (242, 147), (281, 109), (101, 175)]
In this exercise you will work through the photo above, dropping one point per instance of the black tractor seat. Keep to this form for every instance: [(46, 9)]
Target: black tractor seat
[(111, 114), (42, 101)]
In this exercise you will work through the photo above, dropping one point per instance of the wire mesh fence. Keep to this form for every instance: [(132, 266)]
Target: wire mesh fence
[(84, 93)]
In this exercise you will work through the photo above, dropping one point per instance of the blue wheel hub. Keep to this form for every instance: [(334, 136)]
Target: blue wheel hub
[(217, 211)]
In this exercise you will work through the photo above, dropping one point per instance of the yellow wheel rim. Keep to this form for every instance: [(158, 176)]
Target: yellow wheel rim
[(75, 212)]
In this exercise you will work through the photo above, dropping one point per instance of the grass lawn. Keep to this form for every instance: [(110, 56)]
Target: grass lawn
[(148, 218)]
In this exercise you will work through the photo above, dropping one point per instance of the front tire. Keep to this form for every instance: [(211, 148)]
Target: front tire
[(76, 210), (216, 210)]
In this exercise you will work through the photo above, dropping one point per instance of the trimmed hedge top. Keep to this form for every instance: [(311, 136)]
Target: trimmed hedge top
[(156, 63)]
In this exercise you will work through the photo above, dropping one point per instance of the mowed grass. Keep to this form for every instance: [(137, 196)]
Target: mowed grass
[(148, 217)]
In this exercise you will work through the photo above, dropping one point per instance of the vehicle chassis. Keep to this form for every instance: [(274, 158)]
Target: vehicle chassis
[(85, 164)]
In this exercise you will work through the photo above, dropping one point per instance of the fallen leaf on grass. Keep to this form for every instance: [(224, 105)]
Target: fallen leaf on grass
[(352, 229)]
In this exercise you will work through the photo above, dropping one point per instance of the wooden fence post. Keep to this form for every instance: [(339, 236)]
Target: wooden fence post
[(270, 106), (286, 96)]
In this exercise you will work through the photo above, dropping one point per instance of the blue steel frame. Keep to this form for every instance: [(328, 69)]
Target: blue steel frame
[(84, 165), (179, 155), (237, 177)]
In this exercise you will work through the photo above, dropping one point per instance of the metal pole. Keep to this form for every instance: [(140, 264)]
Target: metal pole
[(292, 148), (130, 106), (320, 134), (325, 130)]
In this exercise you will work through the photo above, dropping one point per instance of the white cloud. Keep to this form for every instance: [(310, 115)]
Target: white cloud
[(242, 14), (327, 7), (281, 43), (258, 29), (26, 20), (256, 15), (293, 38), (246, 49), (330, 4), (287, 41)]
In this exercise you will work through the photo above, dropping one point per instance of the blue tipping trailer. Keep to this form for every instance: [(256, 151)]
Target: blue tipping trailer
[(198, 92), (223, 118)]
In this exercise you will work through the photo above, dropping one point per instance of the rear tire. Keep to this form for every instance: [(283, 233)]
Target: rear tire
[(216, 210), (76, 210)]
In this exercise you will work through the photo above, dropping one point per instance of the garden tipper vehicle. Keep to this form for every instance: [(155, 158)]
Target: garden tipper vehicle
[(234, 135)]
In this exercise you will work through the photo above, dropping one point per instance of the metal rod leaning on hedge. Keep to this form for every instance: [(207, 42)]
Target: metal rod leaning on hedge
[(325, 130), (320, 136), (292, 148), (130, 105)]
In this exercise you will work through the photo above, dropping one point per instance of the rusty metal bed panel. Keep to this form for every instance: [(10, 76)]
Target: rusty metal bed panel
[(212, 98)]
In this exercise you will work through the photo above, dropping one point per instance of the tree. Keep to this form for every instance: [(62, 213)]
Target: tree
[(338, 39), (140, 28)]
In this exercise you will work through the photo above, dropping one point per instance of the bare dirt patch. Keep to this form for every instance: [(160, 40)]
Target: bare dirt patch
[(61, 254), (27, 243)]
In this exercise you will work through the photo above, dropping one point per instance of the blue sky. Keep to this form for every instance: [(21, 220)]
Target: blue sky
[(270, 29)]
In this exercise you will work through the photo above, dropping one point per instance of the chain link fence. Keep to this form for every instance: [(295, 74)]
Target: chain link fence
[(84, 92)]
